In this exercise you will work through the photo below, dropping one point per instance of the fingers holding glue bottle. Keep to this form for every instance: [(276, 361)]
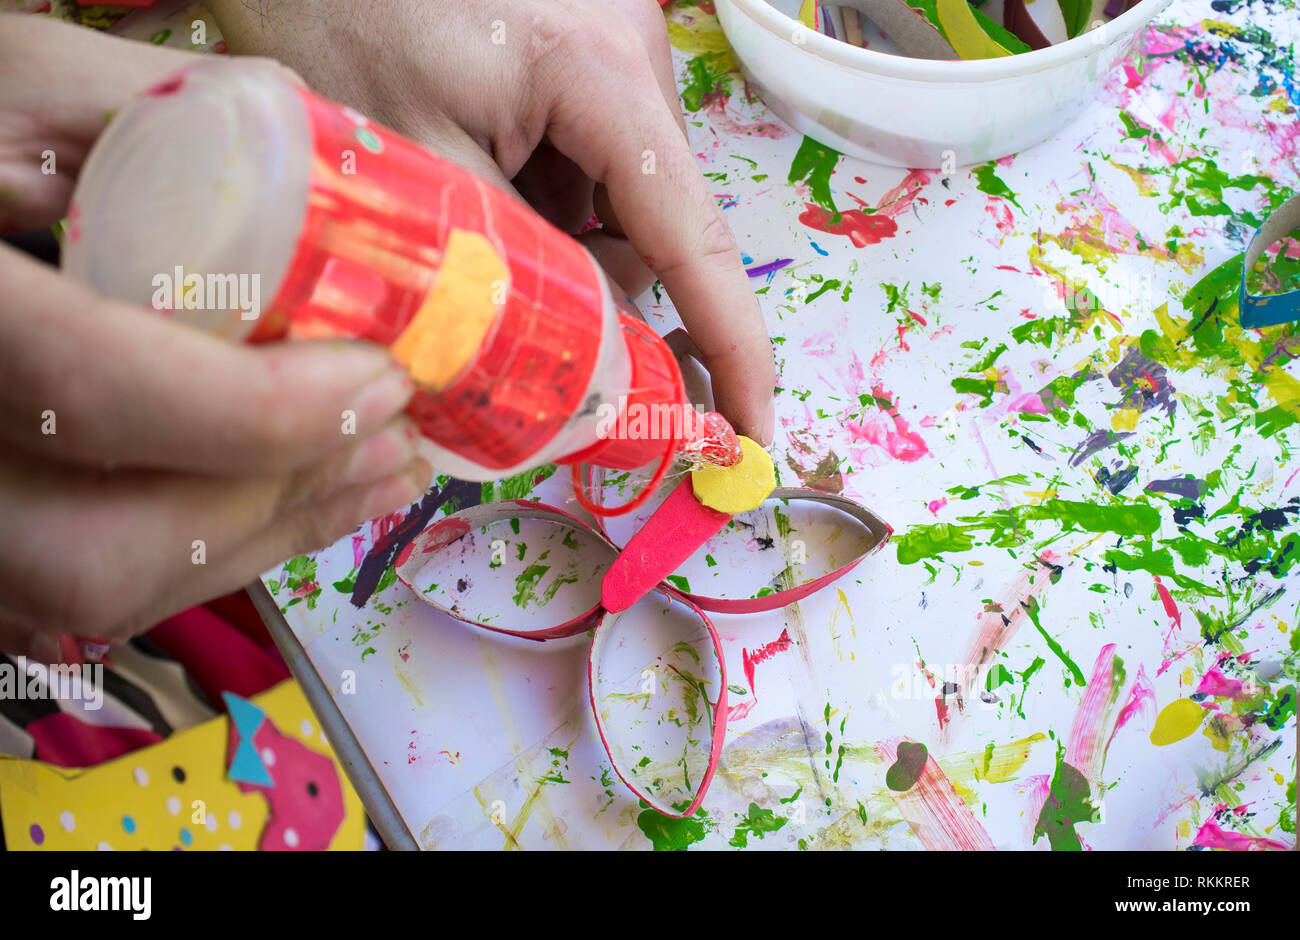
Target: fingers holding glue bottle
[(579, 94), (146, 466)]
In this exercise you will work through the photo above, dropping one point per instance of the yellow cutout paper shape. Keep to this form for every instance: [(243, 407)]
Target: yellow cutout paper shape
[(449, 328), (738, 488), (963, 31), (808, 13), (140, 801)]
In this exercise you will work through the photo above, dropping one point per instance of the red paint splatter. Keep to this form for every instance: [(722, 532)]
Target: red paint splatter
[(1001, 215), (762, 654), (167, 87), (861, 228)]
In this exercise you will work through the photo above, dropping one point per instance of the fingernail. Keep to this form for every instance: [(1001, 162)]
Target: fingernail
[(769, 424), (380, 400), (398, 491), (382, 455), (94, 651)]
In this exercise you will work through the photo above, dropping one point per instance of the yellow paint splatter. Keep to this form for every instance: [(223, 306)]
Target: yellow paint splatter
[(994, 765), (1125, 419), (1176, 721), (1284, 389), (1145, 182), (835, 621), (703, 36), (1218, 733)]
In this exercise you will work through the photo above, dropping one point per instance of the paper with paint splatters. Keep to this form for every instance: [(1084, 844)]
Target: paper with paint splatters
[(1083, 635)]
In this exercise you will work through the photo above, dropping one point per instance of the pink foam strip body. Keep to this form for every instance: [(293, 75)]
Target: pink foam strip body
[(676, 530)]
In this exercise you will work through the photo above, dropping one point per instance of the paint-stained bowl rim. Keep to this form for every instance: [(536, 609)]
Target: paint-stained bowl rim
[(1020, 65)]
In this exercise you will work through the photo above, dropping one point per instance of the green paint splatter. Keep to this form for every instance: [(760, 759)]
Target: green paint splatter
[(299, 577), (813, 164), (673, 835), (519, 486), (998, 675), (526, 584), (829, 285), (706, 75), (1067, 803), (1031, 607), (1008, 528), (758, 822), (987, 181)]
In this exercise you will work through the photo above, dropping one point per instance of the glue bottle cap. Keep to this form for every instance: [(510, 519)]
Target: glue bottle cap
[(207, 175)]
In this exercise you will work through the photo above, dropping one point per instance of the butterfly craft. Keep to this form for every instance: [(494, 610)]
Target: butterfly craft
[(655, 663)]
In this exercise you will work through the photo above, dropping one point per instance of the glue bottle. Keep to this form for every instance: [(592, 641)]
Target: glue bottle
[(232, 199)]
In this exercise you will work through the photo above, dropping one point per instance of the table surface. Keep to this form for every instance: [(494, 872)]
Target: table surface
[(1092, 490)]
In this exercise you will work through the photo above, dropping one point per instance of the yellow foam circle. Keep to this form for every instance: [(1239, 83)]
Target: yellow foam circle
[(738, 488)]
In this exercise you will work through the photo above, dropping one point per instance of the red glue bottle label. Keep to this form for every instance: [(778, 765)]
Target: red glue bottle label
[(507, 325)]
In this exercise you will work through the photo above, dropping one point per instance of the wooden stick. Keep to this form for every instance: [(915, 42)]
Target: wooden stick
[(852, 27)]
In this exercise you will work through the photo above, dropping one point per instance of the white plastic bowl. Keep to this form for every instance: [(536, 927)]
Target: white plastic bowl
[(912, 112)]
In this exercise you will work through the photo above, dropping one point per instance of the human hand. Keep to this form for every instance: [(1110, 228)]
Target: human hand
[(575, 103), (146, 466)]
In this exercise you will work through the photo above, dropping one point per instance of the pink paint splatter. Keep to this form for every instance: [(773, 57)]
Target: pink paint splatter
[(939, 817), (894, 436), (1171, 609), (1212, 836), (1096, 721), (1215, 683), (723, 120)]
